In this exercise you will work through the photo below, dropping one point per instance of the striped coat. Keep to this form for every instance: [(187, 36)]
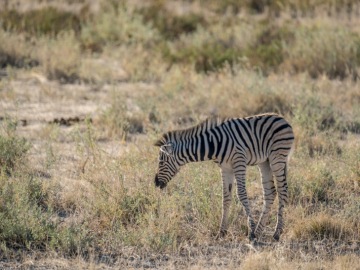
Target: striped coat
[(235, 143)]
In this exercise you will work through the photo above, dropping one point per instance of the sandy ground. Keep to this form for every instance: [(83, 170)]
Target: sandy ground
[(37, 103)]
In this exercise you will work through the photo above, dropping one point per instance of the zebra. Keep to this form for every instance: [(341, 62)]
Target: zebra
[(265, 140)]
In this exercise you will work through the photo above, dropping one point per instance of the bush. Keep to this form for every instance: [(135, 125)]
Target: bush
[(235, 6), (314, 115), (116, 25), (119, 121), (9, 59), (267, 52), (60, 57), (319, 51), (205, 50), (48, 21), (268, 102), (275, 8), (19, 56), (211, 57), (29, 223), (169, 25), (22, 222), (230, 42), (12, 148)]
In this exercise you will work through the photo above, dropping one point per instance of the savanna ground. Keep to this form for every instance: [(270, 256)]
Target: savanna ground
[(86, 87)]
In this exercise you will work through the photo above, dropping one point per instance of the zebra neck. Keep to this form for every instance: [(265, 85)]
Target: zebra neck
[(195, 149)]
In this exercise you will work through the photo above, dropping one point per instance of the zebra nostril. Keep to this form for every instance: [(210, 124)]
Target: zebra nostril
[(158, 183)]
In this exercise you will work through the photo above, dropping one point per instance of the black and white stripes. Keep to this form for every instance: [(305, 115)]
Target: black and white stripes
[(234, 143)]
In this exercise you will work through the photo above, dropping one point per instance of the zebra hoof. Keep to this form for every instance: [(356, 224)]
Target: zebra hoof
[(276, 237), (277, 234), (221, 234), (252, 237)]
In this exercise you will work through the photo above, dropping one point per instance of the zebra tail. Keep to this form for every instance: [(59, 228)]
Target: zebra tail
[(291, 152)]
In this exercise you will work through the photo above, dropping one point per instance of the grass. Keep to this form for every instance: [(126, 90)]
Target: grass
[(305, 56), (83, 194), (170, 25), (12, 148), (15, 56), (322, 227), (48, 21), (206, 43)]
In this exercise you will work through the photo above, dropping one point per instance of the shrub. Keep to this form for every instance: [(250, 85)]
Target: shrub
[(116, 25), (133, 207), (23, 223), (320, 124), (16, 56), (268, 102), (267, 52), (49, 21), (210, 49), (229, 42), (211, 57), (140, 63), (60, 57), (118, 121), (314, 115), (235, 6), (28, 221), (319, 51), (169, 25), (12, 148), (13, 60), (274, 8)]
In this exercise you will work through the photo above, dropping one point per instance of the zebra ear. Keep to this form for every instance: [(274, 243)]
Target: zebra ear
[(168, 149), (159, 143)]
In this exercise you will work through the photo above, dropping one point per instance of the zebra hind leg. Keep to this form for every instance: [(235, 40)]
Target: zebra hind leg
[(242, 195), (228, 181), (279, 170), (269, 194)]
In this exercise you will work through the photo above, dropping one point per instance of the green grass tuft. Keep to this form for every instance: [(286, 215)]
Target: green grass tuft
[(46, 21), (13, 149)]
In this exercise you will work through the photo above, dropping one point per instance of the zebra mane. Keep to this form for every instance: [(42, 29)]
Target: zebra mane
[(205, 125)]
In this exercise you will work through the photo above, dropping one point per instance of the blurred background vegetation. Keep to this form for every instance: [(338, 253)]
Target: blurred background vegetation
[(317, 37)]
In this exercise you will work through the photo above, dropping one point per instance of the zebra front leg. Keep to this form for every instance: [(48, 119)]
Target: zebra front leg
[(279, 171), (228, 180), (269, 194), (240, 176)]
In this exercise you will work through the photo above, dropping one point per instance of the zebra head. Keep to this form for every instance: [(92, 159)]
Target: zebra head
[(168, 167)]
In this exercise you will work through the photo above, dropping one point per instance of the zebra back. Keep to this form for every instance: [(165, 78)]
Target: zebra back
[(217, 138)]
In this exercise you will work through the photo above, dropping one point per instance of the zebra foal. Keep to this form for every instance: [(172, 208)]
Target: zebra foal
[(234, 143)]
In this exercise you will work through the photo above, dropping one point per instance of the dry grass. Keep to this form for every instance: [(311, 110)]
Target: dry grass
[(81, 109), (323, 227)]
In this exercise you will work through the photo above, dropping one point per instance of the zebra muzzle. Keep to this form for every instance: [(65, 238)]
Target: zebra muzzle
[(158, 183)]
